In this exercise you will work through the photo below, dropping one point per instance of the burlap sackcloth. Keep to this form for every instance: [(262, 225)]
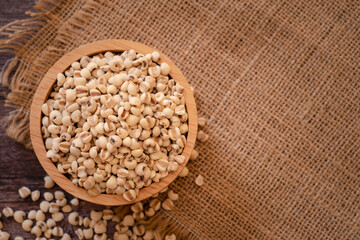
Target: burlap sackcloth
[(278, 82)]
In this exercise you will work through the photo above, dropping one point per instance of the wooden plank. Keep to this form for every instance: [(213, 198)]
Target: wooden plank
[(18, 166)]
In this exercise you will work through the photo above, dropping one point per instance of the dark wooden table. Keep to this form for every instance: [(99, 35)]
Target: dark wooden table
[(18, 166)]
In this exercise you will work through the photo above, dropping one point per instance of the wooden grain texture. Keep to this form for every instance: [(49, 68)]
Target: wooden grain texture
[(13, 173), (46, 86)]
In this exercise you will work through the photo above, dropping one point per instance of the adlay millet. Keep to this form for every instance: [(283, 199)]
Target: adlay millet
[(115, 123)]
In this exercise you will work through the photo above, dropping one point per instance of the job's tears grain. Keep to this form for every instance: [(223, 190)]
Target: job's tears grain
[(115, 123)]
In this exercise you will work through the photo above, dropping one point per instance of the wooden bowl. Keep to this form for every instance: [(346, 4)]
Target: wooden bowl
[(46, 86)]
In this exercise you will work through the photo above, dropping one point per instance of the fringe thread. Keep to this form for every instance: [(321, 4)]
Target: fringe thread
[(19, 35), (162, 225), (23, 73)]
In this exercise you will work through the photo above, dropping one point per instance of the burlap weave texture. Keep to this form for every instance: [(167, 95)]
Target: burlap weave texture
[(278, 81)]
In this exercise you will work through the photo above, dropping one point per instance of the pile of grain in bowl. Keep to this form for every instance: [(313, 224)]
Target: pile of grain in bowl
[(115, 123)]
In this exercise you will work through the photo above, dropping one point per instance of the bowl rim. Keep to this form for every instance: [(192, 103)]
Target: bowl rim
[(41, 95)]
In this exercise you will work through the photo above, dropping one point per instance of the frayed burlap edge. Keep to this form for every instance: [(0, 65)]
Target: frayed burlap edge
[(19, 35), (163, 224)]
